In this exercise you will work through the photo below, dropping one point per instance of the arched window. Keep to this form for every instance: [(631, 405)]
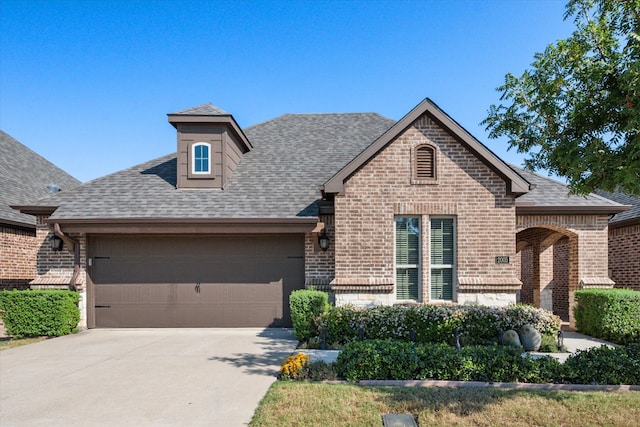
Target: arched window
[(425, 163), (201, 158)]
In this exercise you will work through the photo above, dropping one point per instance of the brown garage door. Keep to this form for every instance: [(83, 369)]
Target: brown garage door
[(195, 281)]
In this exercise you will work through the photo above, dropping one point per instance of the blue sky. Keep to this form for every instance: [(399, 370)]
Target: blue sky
[(88, 84)]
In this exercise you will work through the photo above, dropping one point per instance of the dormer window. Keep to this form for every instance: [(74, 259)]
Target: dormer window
[(201, 158), (424, 159)]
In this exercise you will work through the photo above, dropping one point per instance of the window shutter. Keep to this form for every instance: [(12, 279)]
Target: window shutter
[(425, 163)]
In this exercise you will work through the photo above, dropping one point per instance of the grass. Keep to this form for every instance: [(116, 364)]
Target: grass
[(6, 344), (321, 404)]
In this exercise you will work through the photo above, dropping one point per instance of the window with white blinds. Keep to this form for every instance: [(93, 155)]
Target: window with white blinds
[(442, 258), (408, 258)]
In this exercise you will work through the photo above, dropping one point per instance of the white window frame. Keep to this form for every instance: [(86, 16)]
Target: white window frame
[(193, 158), (417, 266), (445, 266)]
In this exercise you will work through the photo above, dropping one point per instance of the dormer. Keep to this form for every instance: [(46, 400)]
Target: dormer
[(210, 145)]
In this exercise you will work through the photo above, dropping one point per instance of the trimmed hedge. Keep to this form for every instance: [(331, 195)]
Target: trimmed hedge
[(34, 313), (399, 360), (478, 325), (306, 306), (610, 314)]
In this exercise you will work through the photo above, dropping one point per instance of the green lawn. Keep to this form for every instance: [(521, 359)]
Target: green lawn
[(321, 404), (6, 344)]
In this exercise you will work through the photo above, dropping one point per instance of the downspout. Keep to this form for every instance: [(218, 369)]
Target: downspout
[(70, 241)]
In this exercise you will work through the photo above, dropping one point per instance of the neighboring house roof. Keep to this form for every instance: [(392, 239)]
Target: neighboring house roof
[(515, 183), (24, 177), (632, 216), (280, 177), (552, 197)]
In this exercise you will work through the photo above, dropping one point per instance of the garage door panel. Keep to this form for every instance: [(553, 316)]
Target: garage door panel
[(195, 281)]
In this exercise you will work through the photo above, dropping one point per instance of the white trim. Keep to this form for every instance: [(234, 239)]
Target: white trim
[(193, 158)]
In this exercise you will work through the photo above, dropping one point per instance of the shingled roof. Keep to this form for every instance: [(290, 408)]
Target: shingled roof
[(552, 197), (293, 156), (632, 216), (24, 177), (202, 110)]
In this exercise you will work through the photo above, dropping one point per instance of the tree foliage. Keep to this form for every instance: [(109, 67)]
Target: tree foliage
[(576, 111)]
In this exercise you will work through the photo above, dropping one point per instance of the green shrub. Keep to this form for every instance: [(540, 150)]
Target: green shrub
[(306, 306), (39, 312), (604, 365), (478, 325), (399, 360), (610, 314)]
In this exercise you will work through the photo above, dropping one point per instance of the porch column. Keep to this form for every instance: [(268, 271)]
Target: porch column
[(545, 286), (574, 277)]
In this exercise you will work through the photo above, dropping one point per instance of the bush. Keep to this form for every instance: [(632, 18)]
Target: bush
[(398, 360), (306, 306), (478, 325), (610, 314), (39, 312), (604, 365)]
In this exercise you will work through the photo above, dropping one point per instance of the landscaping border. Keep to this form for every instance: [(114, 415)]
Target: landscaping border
[(470, 384)]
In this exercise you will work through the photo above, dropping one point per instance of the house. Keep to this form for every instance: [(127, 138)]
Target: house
[(374, 211), (624, 242), (24, 176)]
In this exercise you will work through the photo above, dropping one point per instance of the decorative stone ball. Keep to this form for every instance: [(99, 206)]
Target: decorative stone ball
[(530, 338), (511, 338)]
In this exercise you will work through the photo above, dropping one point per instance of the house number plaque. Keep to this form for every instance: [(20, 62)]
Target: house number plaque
[(502, 260)]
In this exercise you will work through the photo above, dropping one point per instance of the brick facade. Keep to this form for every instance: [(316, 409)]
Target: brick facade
[(319, 265), (568, 252), (465, 188), (18, 248), (624, 256)]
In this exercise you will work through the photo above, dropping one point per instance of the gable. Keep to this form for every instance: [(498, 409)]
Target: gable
[(514, 183), (447, 173)]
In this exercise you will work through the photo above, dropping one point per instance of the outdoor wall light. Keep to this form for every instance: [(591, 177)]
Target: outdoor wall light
[(56, 243), (323, 240)]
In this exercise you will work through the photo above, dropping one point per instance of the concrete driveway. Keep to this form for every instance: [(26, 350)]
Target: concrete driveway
[(141, 377)]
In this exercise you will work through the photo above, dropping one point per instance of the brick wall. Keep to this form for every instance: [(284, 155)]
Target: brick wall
[(561, 278), (624, 256), (18, 248), (319, 268), (465, 189), (55, 268)]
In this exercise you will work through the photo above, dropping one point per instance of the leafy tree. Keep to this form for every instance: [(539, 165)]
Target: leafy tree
[(576, 111)]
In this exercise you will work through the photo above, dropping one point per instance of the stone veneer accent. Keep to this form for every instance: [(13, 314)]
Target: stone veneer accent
[(624, 256), (18, 248), (465, 189)]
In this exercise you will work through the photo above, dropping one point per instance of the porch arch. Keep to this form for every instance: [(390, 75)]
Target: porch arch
[(560, 254)]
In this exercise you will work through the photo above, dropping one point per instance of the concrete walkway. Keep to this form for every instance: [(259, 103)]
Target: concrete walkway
[(141, 377)]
